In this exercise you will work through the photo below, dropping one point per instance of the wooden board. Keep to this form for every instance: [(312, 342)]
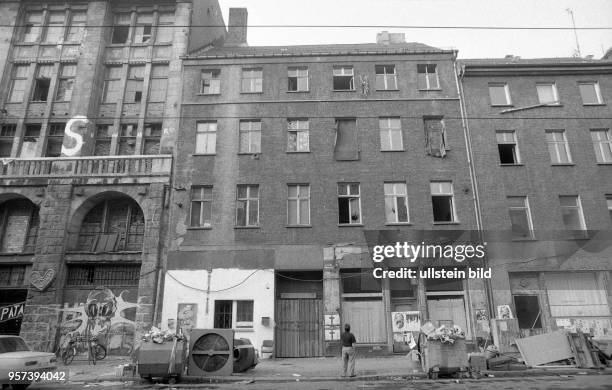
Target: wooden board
[(545, 348), (299, 328)]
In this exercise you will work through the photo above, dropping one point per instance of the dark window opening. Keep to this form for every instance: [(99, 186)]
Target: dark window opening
[(442, 208), (444, 284), (344, 214), (359, 281), (507, 154), (12, 275), (223, 314), (41, 89), (528, 311), (343, 83), (401, 288), (103, 275), (120, 34)]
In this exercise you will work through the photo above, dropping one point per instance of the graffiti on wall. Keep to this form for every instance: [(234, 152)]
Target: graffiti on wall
[(109, 317)]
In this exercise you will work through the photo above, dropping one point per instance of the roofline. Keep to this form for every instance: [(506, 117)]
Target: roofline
[(320, 54), (535, 68)]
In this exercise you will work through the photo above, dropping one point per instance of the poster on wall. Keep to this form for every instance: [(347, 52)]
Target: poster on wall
[(332, 327), (504, 312), (599, 328), (406, 321), (186, 317)]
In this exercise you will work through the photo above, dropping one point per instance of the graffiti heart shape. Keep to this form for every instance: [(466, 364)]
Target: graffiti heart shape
[(42, 280)]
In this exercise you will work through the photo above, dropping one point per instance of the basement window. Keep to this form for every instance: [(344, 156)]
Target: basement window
[(344, 78), (507, 147), (528, 311)]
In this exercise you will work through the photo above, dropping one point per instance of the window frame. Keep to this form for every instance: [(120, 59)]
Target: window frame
[(596, 89), (384, 76), (342, 69), (250, 132), (602, 145), (205, 203), (609, 205), (39, 77), (117, 25), (350, 196), (514, 141), (527, 209), (61, 27), (297, 78), (76, 27), (24, 81), (206, 132), (297, 131), (298, 199), (389, 130), (247, 201), (554, 91), (428, 77), (32, 24), (231, 317), (64, 78), (556, 145), (508, 101), (138, 82), (127, 138), (251, 76), (394, 195), (114, 80), (107, 139), (215, 88), (450, 195), (577, 207), (149, 138), (8, 132), (52, 136)]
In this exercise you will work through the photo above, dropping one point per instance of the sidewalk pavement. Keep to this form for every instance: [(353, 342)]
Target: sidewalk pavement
[(307, 370)]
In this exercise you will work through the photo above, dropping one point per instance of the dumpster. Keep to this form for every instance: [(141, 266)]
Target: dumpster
[(163, 361), (438, 357)]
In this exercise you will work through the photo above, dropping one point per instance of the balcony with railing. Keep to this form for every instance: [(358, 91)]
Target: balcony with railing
[(87, 166)]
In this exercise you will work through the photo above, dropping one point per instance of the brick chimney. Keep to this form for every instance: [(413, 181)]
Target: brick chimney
[(237, 27)]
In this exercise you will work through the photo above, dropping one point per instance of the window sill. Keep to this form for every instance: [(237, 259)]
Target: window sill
[(297, 151), (350, 225), (512, 165), (344, 90), (248, 153), (102, 253), (298, 226), (204, 154), (446, 223), (392, 150), (306, 91), (208, 94), (387, 90), (429, 89), (605, 163), (502, 105), (247, 227), (593, 104), (249, 330), (398, 224), (251, 93), (199, 228), (551, 105), (562, 164)]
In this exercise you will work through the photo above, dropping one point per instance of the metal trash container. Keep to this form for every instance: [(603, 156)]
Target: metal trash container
[(154, 360), (444, 358)]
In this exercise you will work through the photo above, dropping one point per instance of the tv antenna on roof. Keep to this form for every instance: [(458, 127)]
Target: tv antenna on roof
[(577, 51)]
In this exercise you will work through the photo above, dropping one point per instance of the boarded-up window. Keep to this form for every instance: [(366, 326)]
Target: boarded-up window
[(135, 82), (18, 84), (7, 137), (30, 141), (103, 140), (159, 83), (575, 294), (435, 137), (112, 84), (127, 139), (346, 147), (152, 137), (19, 225)]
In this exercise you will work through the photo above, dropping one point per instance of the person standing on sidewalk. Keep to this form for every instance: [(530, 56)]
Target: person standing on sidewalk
[(348, 351)]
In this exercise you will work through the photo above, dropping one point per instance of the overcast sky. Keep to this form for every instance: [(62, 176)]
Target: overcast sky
[(470, 43)]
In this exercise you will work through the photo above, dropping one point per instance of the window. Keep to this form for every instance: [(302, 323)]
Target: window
[(152, 138), (66, 83), (165, 28), (520, 217), (571, 212), (135, 82), (32, 27), (12, 275), (297, 79), (528, 311), (609, 203), (547, 93), (127, 139), (18, 83), (390, 134), (349, 204), (227, 311), (112, 225), (427, 76), (250, 137), (144, 27), (78, 21), (42, 83), (558, 148), (103, 140), (442, 201), (344, 79), (55, 139), (297, 135), (7, 137), (298, 204), (18, 226), (386, 78), (30, 141), (435, 137), (590, 92), (507, 147), (112, 84), (346, 147), (55, 27), (602, 142), (396, 203), (103, 275), (247, 205), (201, 206), (159, 83), (211, 82), (206, 137), (252, 80), (499, 94), (121, 29)]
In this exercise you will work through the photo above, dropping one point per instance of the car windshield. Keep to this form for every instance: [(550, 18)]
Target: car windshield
[(12, 344)]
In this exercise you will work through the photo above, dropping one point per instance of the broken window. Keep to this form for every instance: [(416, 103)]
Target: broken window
[(349, 204), (528, 311), (152, 137), (442, 200), (66, 83), (135, 82), (113, 90), (32, 27), (571, 213), (435, 137), (78, 21), (297, 135), (499, 94), (520, 217), (346, 147), (590, 92), (547, 93), (390, 134), (201, 206), (297, 78), (247, 205), (602, 143), (507, 147), (165, 28), (250, 137), (159, 83), (7, 137), (55, 27), (386, 78), (18, 226), (298, 204), (30, 141), (18, 83), (344, 78), (252, 80), (558, 147), (121, 29), (144, 27), (103, 140), (55, 139), (206, 137), (396, 203), (42, 83), (427, 76), (127, 139), (112, 225), (211, 82)]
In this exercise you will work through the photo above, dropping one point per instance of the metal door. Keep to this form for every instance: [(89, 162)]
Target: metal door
[(299, 330)]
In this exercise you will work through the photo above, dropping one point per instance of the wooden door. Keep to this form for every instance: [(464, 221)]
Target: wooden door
[(299, 329), (367, 320), (448, 311)]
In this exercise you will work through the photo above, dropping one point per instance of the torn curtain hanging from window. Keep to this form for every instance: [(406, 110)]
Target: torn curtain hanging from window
[(435, 137), (346, 148)]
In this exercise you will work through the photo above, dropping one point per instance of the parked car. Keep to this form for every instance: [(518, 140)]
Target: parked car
[(15, 356)]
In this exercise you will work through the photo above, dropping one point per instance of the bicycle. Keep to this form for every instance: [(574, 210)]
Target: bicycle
[(77, 344)]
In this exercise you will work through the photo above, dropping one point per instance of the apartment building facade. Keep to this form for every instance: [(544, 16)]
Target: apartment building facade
[(88, 118), (289, 159), (541, 134)]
